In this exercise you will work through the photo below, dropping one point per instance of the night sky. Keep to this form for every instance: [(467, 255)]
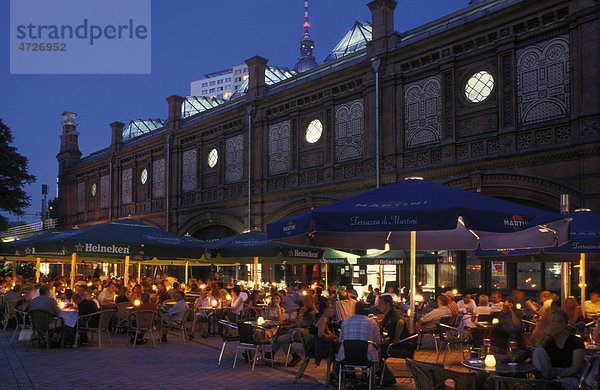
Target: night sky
[(189, 39)]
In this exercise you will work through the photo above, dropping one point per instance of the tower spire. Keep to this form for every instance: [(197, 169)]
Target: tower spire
[(307, 59)]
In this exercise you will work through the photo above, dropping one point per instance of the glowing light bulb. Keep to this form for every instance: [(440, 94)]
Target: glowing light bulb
[(202, 286), (518, 306), (136, 302), (408, 312), (154, 287), (260, 320), (303, 292), (228, 297), (454, 291), (490, 360), (418, 298), (214, 302), (61, 305), (89, 284), (495, 321)]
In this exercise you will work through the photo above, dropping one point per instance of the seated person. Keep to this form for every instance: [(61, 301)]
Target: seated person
[(360, 327), (395, 326), (45, 303), (508, 328), (144, 305), (274, 311), (575, 314), (345, 307), (174, 315), (496, 304), (304, 321), (122, 296), (237, 304), (560, 354), (107, 296), (592, 307), (466, 305), (85, 307), (482, 308), (430, 321), (323, 337)]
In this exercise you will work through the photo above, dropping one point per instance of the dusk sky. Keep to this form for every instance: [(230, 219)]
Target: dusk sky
[(189, 39)]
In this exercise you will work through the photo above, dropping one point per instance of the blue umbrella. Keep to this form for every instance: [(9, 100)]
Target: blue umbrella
[(444, 217), (584, 243)]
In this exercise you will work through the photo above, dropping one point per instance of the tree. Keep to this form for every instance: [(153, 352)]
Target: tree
[(13, 177)]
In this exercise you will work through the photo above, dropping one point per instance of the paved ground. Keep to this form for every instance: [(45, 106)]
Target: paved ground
[(171, 365)]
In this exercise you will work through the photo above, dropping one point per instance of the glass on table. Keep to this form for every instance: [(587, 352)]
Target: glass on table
[(487, 343), (513, 347)]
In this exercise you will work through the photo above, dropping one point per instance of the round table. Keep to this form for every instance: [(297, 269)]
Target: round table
[(501, 369)]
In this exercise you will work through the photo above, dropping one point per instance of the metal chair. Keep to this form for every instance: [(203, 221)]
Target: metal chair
[(434, 333), (227, 337), (87, 323), (40, 322), (23, 322), (248, 342), (9, 311), (175, 325), (391, 353), (356, 359), (122, 316), (506, 383), (450, 335), (144, 322), (427, 376), (462, 380)]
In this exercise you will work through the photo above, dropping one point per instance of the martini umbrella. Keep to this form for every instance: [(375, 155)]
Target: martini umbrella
[(444, 217), (583, 244)]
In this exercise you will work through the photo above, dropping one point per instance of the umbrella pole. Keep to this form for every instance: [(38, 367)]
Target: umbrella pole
[(413, 277), (326, 276), (582, 280), (37, 270), (14, 272), (255, 272), (126, 271), (565, 281), (186, 271), (73, 265), (139, 278)]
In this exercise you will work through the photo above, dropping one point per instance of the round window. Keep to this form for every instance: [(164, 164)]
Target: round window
[(213, 158), (94, 189), (314, 131), (144, 176), (479, 86)]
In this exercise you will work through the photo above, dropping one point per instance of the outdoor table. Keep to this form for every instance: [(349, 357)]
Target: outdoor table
[(500, 369), (70, 317)]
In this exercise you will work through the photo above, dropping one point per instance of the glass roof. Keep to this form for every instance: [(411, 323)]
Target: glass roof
[(356, 39), (193, 105), (138, 127), (273, 75)]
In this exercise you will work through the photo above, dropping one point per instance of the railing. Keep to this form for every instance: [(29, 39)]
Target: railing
[(24, 230)]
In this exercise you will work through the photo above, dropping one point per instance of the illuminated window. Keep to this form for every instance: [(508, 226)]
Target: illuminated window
[(213, 157), (244, 77), (479, 86), (93, 189), (144, 176), (314, 131)]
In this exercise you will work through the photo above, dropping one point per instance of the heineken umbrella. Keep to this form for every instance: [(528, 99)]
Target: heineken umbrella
[(417, 214), (337, 257), (399, 257), (583, 245), (124, 240), (248, 248)]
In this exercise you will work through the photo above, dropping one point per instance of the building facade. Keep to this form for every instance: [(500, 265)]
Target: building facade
[(501, 98)]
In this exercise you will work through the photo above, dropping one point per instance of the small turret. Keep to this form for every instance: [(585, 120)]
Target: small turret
[(69, 142), (307, 59)]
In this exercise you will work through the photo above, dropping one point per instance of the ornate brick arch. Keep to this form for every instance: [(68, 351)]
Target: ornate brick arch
[(210, 218), (541, 191), (298, 206)]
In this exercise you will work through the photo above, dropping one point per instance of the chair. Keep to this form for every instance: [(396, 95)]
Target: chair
[(144, 322), (410, 340), (227, 337), (247, 342), (40, 322), (22, 322), (427, 376), (9, 311), (180, 326), (434, 333), (462, 380), (478, 334), (506, 383), (122, 316), (450, 335), (84, 324), (356, 358)]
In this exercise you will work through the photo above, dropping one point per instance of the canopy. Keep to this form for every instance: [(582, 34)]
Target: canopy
[(244, 247), (114, 240), (334, 256), (444, 217)]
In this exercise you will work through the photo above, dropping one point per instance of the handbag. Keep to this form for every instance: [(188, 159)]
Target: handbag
[(26, 334)]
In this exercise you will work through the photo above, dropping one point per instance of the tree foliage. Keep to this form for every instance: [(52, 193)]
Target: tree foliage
[(13, 177)]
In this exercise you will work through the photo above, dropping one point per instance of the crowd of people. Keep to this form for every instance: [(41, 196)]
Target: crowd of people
[(323, 318)]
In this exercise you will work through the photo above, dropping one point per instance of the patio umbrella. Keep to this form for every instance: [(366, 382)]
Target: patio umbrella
[(124, 240), (444, 217), (247, 248), (583, 244), (336, 257)]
